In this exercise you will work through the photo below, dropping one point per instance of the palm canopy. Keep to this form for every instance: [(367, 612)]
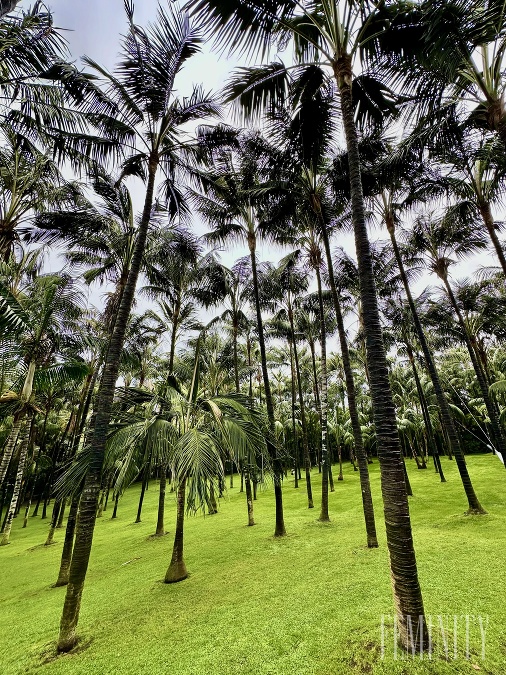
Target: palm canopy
[(147, 118), (448, 57)]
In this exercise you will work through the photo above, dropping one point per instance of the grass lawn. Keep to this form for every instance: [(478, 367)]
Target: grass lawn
[(311, 603)]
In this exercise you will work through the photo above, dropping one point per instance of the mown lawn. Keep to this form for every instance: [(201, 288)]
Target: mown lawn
[(311, 603)]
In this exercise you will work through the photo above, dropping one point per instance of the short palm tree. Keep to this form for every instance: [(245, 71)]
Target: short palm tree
[(210, 430)]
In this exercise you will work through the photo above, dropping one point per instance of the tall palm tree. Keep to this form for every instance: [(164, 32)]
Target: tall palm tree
[(232, 206), (147, 116), (331, 32), (394, 187), (181, 277)]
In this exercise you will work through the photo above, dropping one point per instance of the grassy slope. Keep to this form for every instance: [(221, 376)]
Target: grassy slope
[(308, 604)]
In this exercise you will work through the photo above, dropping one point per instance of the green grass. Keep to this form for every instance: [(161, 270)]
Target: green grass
[(308, 604)]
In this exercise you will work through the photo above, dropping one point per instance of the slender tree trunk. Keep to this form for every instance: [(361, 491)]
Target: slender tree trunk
[(54, 520), (324, 512), (115, 509), (404, 575), (447, 423), (365, 483), (279, 530), (177, 569), (315, 374), (61, 515), (66, 556), (303, 420), (145, 478), (9, 446), (160, 528), (173, 337), (425, 413), (295, 447), (236, 358), (23, 453), (249, 500), (88, 507)]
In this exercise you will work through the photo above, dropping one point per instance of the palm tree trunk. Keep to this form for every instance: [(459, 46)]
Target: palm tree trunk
[(115, 509), (498, 435), (365, 483), (175, 321), (446, 417), (160, 527), (9, 446), (425, 414), (66, 556), (236, 358), (145, 478), (279, 530), (406, 588), (295, 445), (23, 453), (303, 421), (54, 520), (249, 498), (177, 569), (315, 374), (88, 509), (324, 512)]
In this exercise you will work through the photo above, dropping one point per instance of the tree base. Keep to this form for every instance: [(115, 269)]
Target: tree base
[(476, 512), (60, 582), (66, 645), (176, 572)]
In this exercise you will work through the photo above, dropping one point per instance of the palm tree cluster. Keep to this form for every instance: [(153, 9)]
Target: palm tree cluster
[(387, 114)]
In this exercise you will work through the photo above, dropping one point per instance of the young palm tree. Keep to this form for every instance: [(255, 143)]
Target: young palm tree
[(210, 431), (148, 114)]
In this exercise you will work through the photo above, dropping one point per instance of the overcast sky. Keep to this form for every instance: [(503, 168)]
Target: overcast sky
[(94, 28)]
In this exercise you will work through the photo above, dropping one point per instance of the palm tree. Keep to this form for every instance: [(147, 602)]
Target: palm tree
[(100, 238), (234, 210), (441, 242), (182, 276), (394, 187), (146, 113), (291, 280), (30, 183), (447, 58), (210, 431), (332, 34)]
